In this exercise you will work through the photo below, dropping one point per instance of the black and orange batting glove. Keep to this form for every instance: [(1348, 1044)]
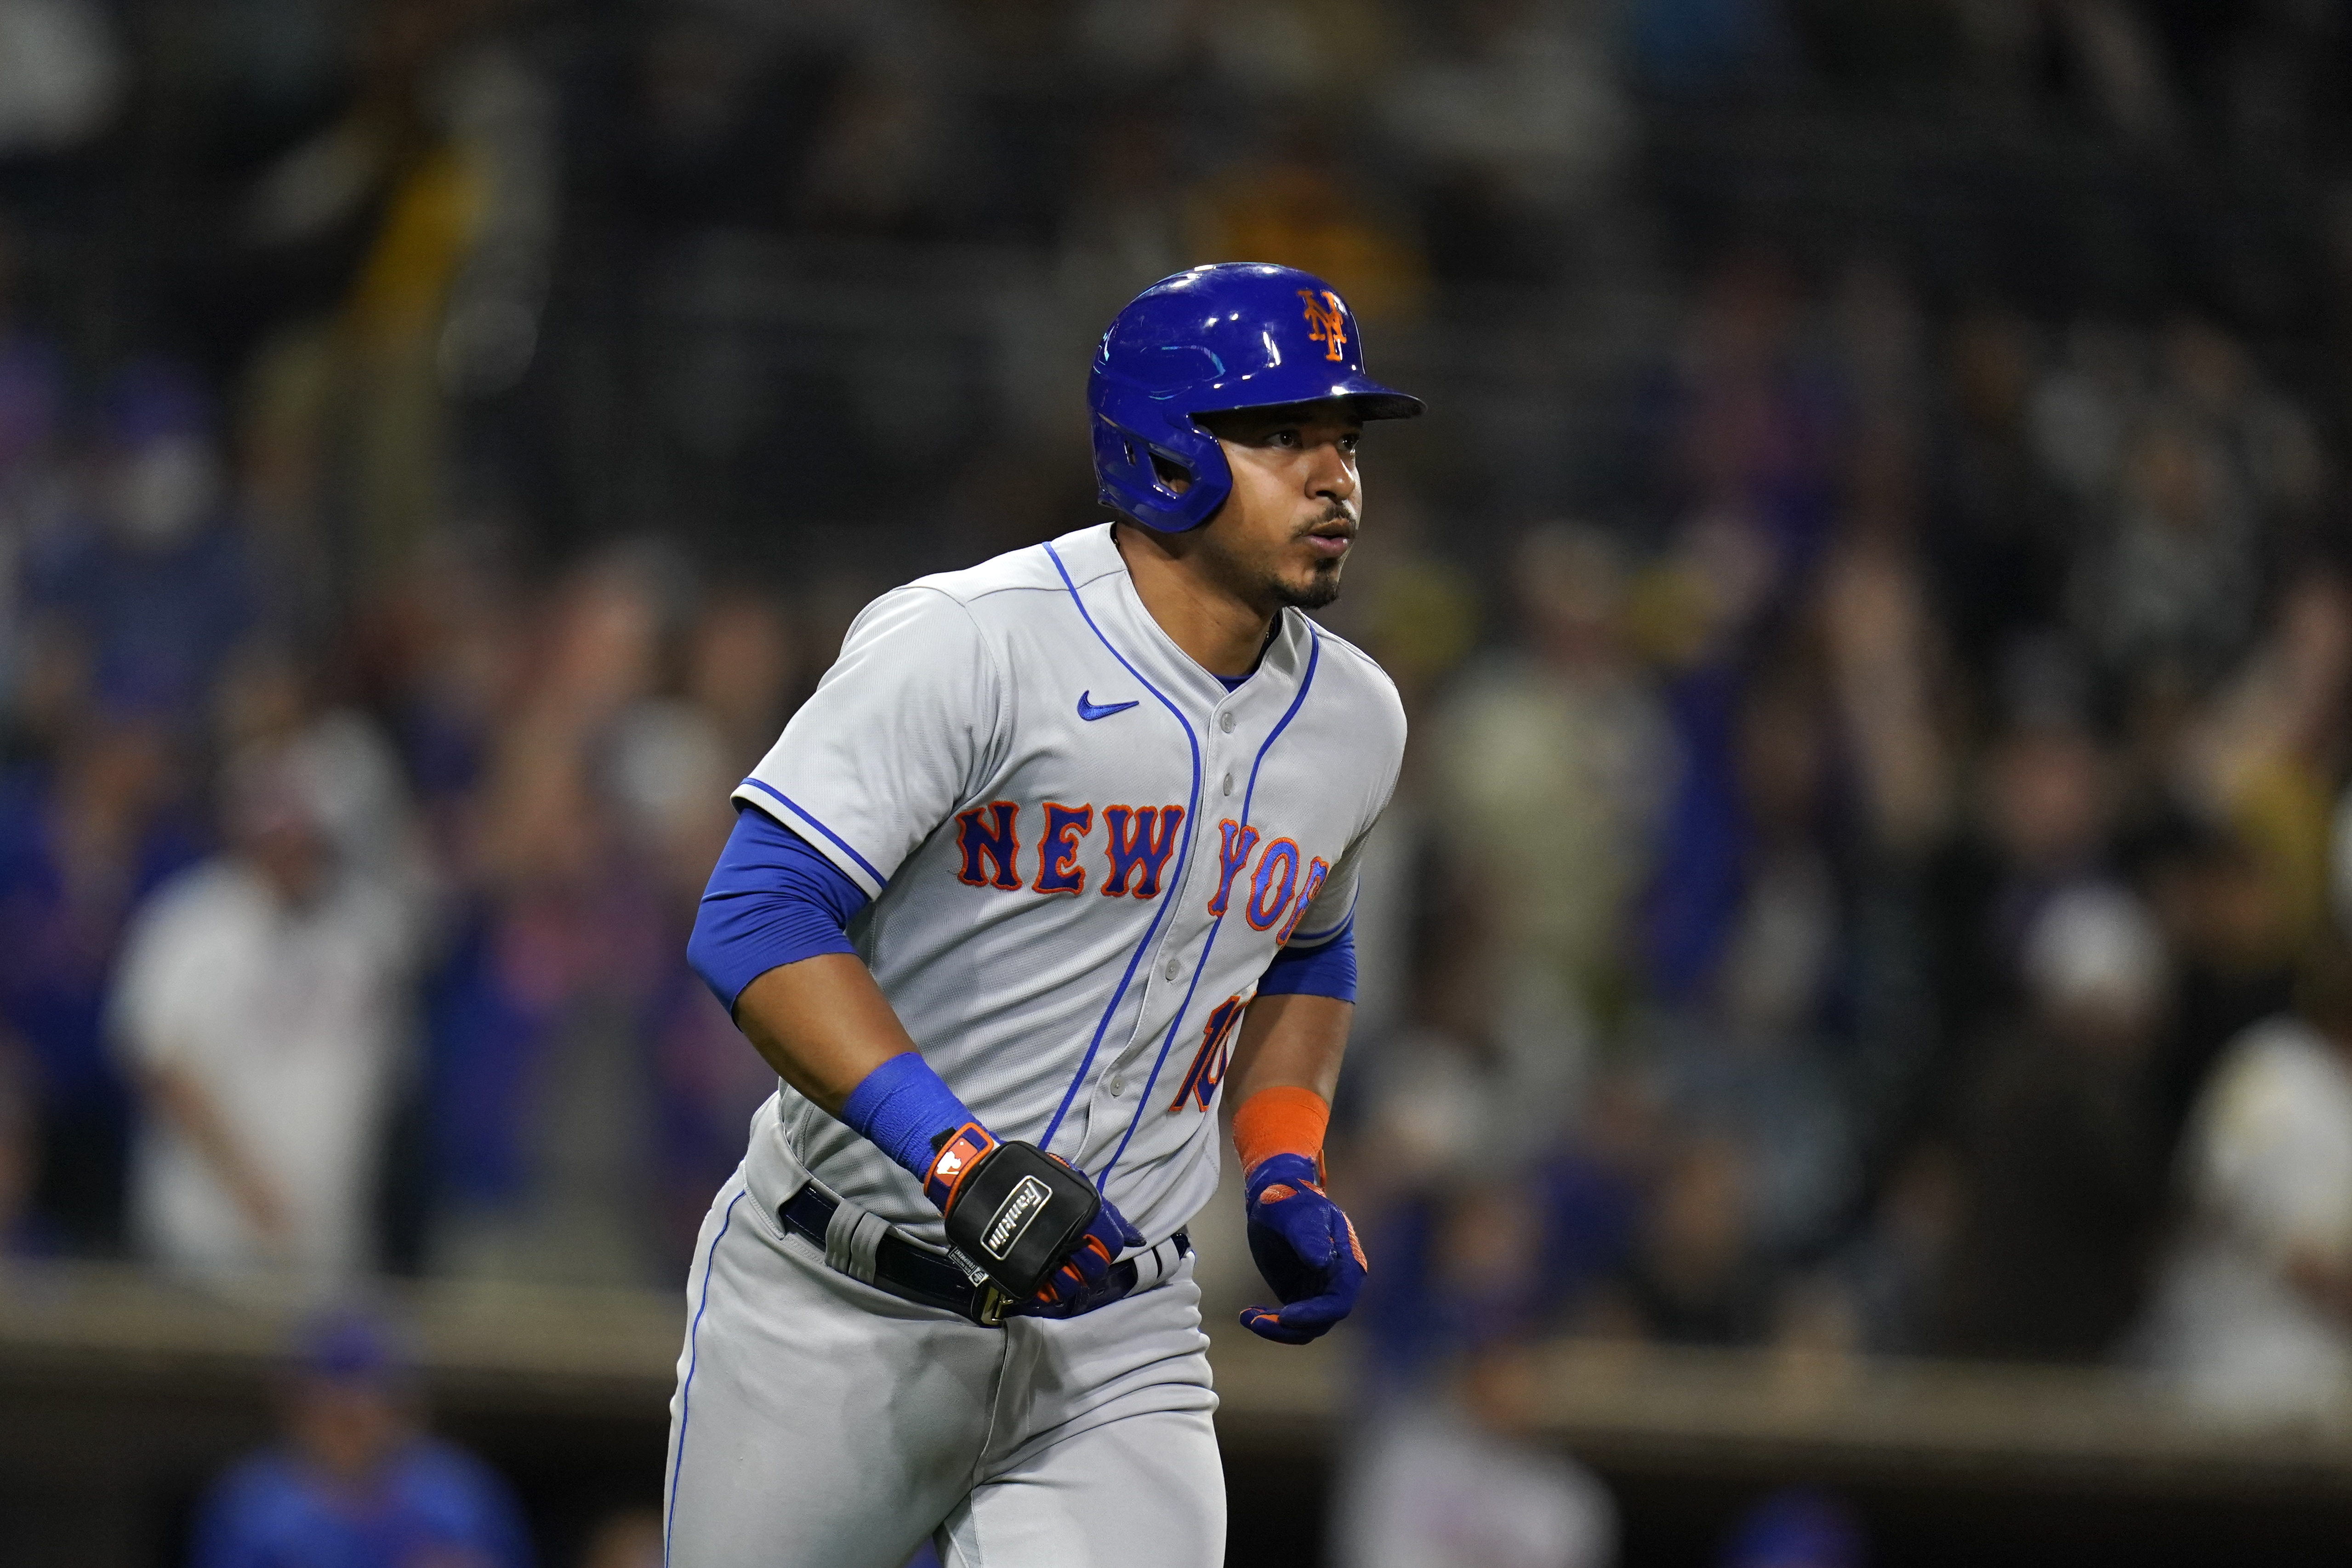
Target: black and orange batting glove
[(1032, 1222)]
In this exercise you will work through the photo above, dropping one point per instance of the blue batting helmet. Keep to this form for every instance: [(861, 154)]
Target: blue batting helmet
[(1237, 334)]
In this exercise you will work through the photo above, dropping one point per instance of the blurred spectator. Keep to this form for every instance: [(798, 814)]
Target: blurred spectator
[(158, 583), (2171, 584), (2244, 882), (2045, 809), (2264, 440), (411, 238), (355, 1482), (2060, 1163), (2254, 1319), (1464, 1479), (1748, 419), (1887, 797), (1697, 1276), (260, 1003), (85, 836), (1480, 1249), (545, 1134), (2265, 753), (445, 650), (1748, 1060), (670, 764), (1549, 763), (1799, 1528), (1741, 434)]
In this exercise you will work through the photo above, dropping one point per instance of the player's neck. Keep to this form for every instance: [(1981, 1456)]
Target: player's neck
[(1220, 630)]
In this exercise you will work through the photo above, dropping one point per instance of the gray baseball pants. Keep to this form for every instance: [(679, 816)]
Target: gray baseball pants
[(820, 1422)]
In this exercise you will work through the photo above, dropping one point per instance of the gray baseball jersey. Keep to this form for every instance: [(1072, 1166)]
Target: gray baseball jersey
[(1083, 853)]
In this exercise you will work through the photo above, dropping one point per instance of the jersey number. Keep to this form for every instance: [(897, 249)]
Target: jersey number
[(1216, 1050)]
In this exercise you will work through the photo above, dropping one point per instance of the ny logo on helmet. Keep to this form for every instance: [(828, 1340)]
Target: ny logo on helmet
[(1328, 321)]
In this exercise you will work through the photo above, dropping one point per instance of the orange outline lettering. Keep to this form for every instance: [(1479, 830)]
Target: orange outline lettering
[(1229, 863), (1060, 873), (1148, 845), (1286, 849), (1003, 846)]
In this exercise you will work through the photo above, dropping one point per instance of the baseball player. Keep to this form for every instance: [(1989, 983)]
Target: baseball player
[(1062, 849)]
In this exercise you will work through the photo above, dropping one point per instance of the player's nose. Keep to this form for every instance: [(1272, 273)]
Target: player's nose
[(1331, 475)]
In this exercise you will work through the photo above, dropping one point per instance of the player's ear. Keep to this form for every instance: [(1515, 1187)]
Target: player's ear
[(1173, 477)]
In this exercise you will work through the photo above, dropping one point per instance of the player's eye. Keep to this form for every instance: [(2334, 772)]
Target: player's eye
[(1348, 444), (1286, 438)]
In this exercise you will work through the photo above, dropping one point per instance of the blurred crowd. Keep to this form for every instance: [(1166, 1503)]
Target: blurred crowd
[(366, 956), (1851, 909), (1874, 863)]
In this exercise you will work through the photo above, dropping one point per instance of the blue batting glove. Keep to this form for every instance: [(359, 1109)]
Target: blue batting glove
[(1091, 1276), (1305, 1247)]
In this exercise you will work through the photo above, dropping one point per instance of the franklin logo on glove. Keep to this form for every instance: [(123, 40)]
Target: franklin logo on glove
[(1027, 1202)]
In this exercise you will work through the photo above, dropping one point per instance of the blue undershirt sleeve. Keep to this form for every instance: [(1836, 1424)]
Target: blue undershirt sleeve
[(1326, 969), (773, 900)]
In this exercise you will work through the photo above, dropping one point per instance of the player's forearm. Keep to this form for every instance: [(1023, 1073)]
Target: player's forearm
[(1280, 1084), (182, 1102), (823, 1024), (1294, 1041)]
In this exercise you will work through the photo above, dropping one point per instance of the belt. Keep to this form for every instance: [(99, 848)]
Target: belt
[(866, 1247)]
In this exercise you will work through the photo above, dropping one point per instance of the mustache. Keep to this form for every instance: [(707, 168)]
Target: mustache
[(1337, 512)]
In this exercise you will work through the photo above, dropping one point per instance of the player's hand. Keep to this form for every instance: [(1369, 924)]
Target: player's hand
[(1305, 1247), (1091, 1276), (1032, 1222)]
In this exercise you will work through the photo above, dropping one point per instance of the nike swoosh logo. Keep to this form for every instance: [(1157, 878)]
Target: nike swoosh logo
[(1090, 712)]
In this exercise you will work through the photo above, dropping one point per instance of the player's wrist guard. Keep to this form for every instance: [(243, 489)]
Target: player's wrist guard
[(1304, 1246), (1283, 1120), (1013, 1209)]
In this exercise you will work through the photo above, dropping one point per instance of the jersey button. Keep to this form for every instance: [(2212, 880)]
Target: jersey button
[(1116, 1085), (1229, 783), (1175, 967), (1225, 723)]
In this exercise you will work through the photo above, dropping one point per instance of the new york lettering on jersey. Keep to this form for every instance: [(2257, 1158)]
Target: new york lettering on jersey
[(1138, 846), (1083, 852)]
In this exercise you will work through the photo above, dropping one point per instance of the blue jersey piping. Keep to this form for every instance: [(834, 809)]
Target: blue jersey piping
[(1314, 656), (693, 1358), (1320, 938), (839, 841), (1175, 886)]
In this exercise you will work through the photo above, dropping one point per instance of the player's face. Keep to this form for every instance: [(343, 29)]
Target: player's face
[(1284, 535)]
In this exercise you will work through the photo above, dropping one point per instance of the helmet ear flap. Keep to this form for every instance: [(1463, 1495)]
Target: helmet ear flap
[(1166, 470), (1137, 474)]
